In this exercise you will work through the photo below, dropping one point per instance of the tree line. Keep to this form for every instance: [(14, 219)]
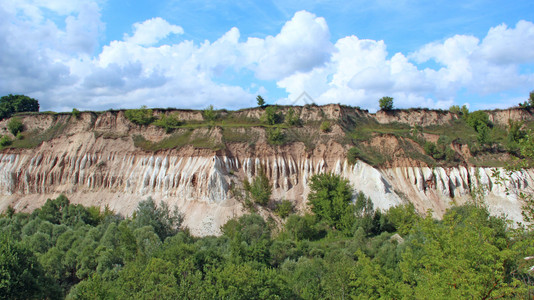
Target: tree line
[(342, 248)]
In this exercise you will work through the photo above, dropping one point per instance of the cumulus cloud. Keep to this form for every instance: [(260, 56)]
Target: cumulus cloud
[(302, 44), (56, 62), (152, 31), (360, 71)]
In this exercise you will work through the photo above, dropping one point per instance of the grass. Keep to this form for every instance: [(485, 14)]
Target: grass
[(176, 141), (35, 138)]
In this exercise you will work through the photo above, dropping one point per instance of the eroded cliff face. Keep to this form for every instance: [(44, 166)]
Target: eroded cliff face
[(95, 162)]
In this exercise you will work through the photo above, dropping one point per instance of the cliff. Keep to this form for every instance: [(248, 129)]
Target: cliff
[(104, 159)]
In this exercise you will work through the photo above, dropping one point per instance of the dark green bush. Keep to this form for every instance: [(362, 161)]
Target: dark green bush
[(260, 188), (275, 136), (15, 126), (168, 122), (326, 126), (142, 116)]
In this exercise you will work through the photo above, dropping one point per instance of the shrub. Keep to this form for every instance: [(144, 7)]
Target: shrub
[(5, 141), (353, 154), (330, 199), (168, 122), (15, 126), (275, 136), (455, 109), (271, 117), (11, 104), (142, 116), (209, 114), (386, 103), (478, 118), (325, 126), (75, 113), (260, 100), (292, 119), (284, 208), (260, 189)]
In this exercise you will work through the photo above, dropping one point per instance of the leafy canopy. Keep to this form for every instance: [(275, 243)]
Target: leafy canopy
[(330, 198), (386, 103), (11, 104)]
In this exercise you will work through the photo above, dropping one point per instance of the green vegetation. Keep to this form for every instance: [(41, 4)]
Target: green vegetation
[(275, 136), (325, 126), (15, 126), (260, 101), (386, 103), (284, 208), (12, 104), (259, 189), (141, 116), (345, 249), (5, 141), (168, 122), (292, 119), (209, 114), (75, 113), (271, 116)]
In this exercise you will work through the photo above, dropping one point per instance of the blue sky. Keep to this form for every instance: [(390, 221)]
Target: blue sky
[(98, 54)]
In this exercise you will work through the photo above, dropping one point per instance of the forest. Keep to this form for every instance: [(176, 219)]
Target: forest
[(339, 249)]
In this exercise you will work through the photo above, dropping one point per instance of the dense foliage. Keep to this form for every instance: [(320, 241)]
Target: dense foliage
[(12, 104), (385, 103), (66, 250)]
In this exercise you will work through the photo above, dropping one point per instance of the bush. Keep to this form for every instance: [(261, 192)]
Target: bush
[(15, 126), (276, 136), (271, 117), (325, 126), (478, 118), (330, 198), (11, 104), (142, 116), (75, 113), (260, 189), (292, 119), (353, 155), (168, 122), (5, 141), (209, 114), (284, 208), (260, 100), (386, 103)]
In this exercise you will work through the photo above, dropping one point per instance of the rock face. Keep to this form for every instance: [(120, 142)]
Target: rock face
[(94, 162)]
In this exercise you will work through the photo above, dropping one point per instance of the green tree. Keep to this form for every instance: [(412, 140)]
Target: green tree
[(166, 222), (330, 198), (21, 275), (209, 114), (5, 141), (464, 256), (260, 100), (477, 119), (75, 113), (168, 122), (15, 126), (141, 116), (291, 118), (386, 103), (11, 104), (271, 116), (325, 126), (275, 136), (260, 188)]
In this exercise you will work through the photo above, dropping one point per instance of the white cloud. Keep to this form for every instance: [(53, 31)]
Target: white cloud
[(360, 71), (152, 31), (302, 44), (55, 62)]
